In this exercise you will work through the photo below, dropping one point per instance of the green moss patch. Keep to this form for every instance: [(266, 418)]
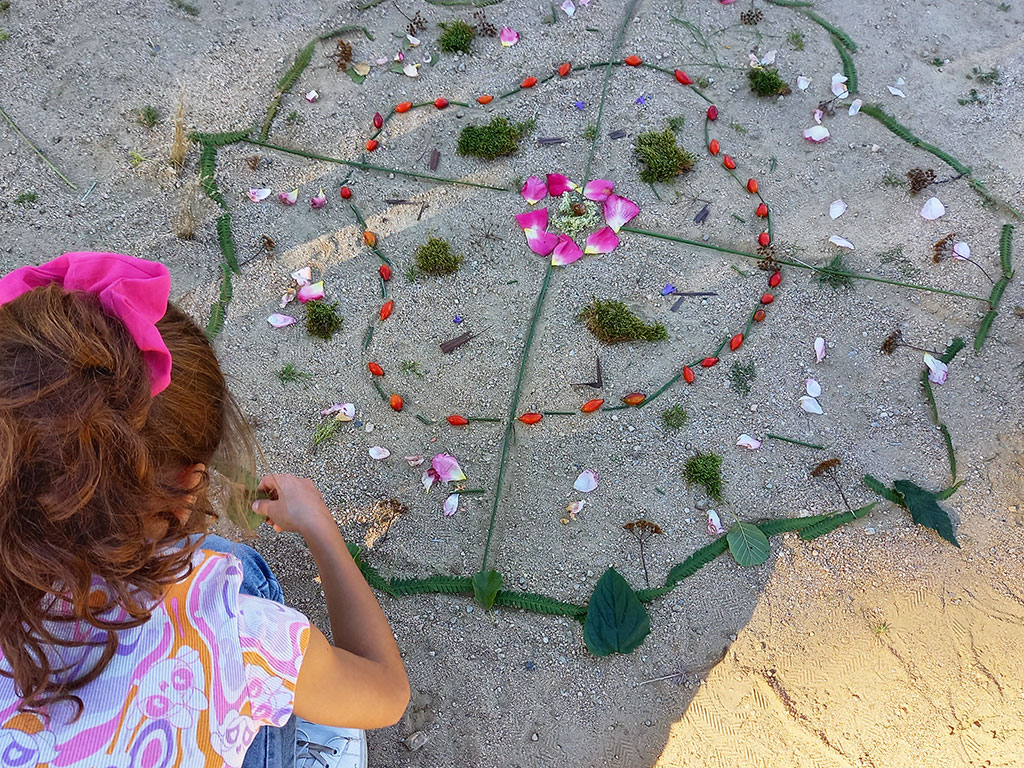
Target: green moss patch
[(496, 139), (705, 470), (675, 417), (435, 257), (322, 319), (766, 82), (456, 37), (661, 159), (613, 322)]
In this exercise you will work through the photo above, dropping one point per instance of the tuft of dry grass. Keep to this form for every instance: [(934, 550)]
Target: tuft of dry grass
[(179, 142), (186, 217)]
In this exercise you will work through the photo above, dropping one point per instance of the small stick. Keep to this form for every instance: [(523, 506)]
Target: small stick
[(552, 140), (559, 413), (452, 344), (483, 418), (36, 149), (663, 677), (471, 491), (694, 293), (423, 419), (435, 158)]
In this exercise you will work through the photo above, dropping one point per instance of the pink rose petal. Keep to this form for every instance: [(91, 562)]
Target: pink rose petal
[(837, 208), (451, 505), (536, 219), (598, 190), (586, 482), (565, 252), (802, 82), (411, 70), (413, 41), (311, 292), (258, 195), (748, 442), (303, 276), (558, 184), (618, 211), (938, 371), (810, 405), (379, 452), (855, 106), (842, 242), (447, 468), (415, 461), (839, 88), (569, 8), (312, 96), (714, 521), (603, 241), (819, 349), (508, 37), (541, 241), (318, 201), (340, 411), (933, 209), (812, 387), (280, 321), (288, 198), (961, 251), (816, 133), (534, 190), (430, 477)]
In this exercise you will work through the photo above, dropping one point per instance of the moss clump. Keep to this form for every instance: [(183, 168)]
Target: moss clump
[(834, 274), (496, 139), (675, 417), (435, 257), (612, 322), (705, 470), (766, 82), (742, 375), (661, 159), (322, 319), (456, 37), (147, 116)]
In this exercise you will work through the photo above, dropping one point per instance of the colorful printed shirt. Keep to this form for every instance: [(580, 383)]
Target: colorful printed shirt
[(187, 689)]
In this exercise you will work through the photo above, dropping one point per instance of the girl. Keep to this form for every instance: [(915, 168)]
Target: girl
[(127, 636)]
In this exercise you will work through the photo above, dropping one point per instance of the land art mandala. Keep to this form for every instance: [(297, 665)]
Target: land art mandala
[(569, 218)]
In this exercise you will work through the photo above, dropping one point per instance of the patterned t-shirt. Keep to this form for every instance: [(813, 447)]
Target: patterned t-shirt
[(187, 689)]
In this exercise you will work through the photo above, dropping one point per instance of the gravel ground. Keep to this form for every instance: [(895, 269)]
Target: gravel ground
[(878, 645)]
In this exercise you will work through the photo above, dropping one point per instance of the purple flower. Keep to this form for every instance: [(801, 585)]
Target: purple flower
[(581, 105), (669, 288)]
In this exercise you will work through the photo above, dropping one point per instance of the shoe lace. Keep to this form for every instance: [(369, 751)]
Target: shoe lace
[(314, 751)]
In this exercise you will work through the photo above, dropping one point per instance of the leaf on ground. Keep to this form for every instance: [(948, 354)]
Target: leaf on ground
[(925, 510), (485, 587), (747, 544), (356, 77), (617, 621)]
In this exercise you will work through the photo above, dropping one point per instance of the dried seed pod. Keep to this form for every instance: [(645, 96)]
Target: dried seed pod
[(387, 309), (634, 398), (531, 418), (592, 405), (458, 421), (688, 375), (405, 106), (375, 369), (396, 402)]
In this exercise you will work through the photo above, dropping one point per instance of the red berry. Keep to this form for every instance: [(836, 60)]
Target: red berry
[(372, 144), (529, 82), (762, 210), (752, 186), (385, 272), (405, 106), (440, 102), (774, 280), (564, 69), (712, 112), (764, 239), (378, 121), (396, 402), (767, 298), (634, 398), (592, 405), (531, 418), (458, 421), (375, 369), (735, 342), (346, 193), (386, 310), (688, 374), (728, 162), (707, 362), (759, 316), (683, 78), (714, 147), (634, 60)]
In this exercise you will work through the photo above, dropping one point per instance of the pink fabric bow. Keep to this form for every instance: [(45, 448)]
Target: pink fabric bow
[(133, 290)]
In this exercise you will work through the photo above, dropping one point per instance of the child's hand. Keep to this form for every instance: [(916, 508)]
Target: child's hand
[(295, 504)]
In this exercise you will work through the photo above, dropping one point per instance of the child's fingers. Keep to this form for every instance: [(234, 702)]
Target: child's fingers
[(269, 485)]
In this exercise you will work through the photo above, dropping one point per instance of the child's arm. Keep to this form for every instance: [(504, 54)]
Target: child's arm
[(361, 682)]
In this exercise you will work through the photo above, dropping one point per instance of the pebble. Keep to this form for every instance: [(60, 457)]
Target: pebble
[(369, 427), (534, 737), (415, 740)]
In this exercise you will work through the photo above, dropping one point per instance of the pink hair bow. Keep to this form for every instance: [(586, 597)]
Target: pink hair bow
[(133, 290)]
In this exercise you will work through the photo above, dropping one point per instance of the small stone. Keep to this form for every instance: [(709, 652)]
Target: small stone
[(415, 740), (534, 737)]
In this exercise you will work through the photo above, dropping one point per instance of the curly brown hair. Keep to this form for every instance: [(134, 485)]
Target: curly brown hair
[(94, 481)]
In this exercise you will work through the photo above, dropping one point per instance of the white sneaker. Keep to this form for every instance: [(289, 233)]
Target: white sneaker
[(323, 746)]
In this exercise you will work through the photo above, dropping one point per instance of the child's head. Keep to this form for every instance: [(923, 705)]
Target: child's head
[(98, 478)]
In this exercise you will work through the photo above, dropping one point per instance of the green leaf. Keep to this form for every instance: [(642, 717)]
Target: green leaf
[(355, 550), (356, 77), (747, 544), (485, 587), (925, 510), (617, 621)]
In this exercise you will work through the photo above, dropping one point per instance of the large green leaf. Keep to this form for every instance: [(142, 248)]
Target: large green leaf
[(924, 508), (485, 587), (617, 621), (747, 543)]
